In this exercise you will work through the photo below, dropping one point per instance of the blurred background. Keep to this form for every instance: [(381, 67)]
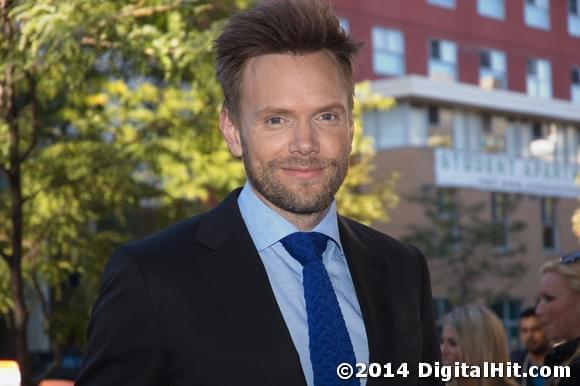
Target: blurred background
[(467, 145)]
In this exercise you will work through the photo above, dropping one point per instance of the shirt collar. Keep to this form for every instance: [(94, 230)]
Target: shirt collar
[(267, 227)]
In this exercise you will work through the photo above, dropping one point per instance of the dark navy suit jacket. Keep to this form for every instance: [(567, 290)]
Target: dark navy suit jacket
[(192, 305)]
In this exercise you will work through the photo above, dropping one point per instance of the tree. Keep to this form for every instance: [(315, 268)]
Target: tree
[(361, 196), (466, 246), (108, 109), (71, 171)]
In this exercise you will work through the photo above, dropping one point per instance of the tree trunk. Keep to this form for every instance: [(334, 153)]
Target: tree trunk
[(20, 314), (20, 310)]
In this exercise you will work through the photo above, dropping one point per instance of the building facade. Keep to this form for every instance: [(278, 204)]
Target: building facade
[(488, 109)]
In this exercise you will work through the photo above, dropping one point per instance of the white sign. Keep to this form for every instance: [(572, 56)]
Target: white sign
[(503, 173)]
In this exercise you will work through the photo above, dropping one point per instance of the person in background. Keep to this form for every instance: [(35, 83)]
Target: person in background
[(472, 334), (535, 346), (559, 312)]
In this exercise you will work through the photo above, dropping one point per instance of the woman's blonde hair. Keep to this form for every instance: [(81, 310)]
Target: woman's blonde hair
[(569, 272), (481, 337)]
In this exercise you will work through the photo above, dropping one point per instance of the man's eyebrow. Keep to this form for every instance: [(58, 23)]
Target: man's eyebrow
[(280, 110), (273, 110), (333, 106)]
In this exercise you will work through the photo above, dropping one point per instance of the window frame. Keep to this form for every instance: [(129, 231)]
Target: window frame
[(503, 78), (537, 79), (532, 7), (500, 220), (344, 24), (440, 60), (575, 84), (549, 223), (389, 52), (483, 12), (448, 4)]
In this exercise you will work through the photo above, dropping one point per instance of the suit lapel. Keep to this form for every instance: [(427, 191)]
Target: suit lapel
[(370, 273), (240, 281)]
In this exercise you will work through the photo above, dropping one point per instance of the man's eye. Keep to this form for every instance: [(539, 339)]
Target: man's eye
[(328, 117), (274, 120), (548, 298)]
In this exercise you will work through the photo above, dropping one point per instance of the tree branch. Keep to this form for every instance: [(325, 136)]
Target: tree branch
[(33, 252), (43, 301), (71, 181), (6, 257), (149, 11), (89, 41), (34, 123), (55, 348)]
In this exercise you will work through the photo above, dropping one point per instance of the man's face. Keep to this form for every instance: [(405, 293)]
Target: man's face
[(295, 129), (532, 335)]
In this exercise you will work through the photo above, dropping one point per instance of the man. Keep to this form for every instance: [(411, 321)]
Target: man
[(271, 287), (535, 346)]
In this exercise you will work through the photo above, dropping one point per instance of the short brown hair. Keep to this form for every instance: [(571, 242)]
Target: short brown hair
[(276, 27)]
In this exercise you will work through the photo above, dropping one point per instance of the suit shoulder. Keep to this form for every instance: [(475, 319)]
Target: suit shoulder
[(377, 239)]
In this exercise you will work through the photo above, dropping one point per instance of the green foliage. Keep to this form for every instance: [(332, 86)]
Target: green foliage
[(362, 197), (466, 246), (116, 108), (114, 104)]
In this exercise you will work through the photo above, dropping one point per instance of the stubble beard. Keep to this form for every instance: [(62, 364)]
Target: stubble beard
[(307, 198)]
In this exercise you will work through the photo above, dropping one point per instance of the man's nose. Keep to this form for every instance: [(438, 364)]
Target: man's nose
[(305, 139)]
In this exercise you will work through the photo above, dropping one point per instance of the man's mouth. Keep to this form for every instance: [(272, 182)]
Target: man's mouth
[(304, 173)]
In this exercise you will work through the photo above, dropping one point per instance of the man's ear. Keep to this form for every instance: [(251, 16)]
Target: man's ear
[(231, 133), (351, 134)]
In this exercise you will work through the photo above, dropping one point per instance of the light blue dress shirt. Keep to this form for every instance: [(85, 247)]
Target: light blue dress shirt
[(266, 229)]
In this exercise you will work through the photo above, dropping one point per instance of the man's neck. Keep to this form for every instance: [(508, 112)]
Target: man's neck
[(304, 222), (537, 358)]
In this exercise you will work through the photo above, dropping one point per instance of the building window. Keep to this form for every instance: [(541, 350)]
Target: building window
[(439, 126), (508, 310), (442, 3), (442, 60), (493, 138), (543, 141), (574, 17), (539, 78), (388, 51), (344, 24), (433, 115), (575, 85), (492, 70), (499, 217), (537, 14), (448, 216), (549, 225), (491, 8)]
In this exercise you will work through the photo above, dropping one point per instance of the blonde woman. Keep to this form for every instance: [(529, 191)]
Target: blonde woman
[(473, 334), (559, 312)]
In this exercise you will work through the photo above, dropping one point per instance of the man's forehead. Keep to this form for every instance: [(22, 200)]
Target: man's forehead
[(529, 320), (285, 78), (284, 63)]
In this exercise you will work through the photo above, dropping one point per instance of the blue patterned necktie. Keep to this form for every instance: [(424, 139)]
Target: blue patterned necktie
[(329, 341)]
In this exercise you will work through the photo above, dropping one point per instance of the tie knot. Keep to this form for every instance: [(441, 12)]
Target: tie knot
[(305, 246)]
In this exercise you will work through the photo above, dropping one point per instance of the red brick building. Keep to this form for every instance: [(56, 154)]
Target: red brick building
[(478, 82)]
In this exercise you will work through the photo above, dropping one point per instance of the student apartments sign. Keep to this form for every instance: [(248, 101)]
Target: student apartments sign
[(504, 173)]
